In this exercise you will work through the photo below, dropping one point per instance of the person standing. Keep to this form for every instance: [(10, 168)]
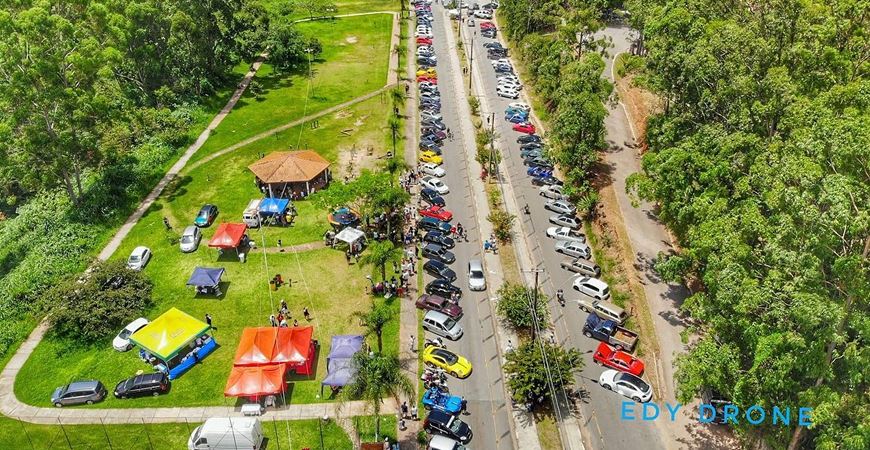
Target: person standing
[(414, 412), (208, 321), (404, 409), (306, 314), (273, 321), (464, 406)]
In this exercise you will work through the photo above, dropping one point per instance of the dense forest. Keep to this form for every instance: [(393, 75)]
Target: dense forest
[(760, 164), (96, 98)]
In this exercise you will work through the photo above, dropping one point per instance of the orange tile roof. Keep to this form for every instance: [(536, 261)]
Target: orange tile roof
[(289, 167)]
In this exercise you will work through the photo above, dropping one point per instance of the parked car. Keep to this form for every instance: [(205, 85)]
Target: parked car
[(436, 252), (436, 124), (560, 206), (141, 385), (190, 239), (206, 215), (603, 309), (565, 221), (517, 118), (121, 342), (454, 364), (592, 287), (551, 191), (433, 169), (442, 288), (431, 197), (626, 384), (437, 303), (581, 266), (442, 325), (609, 331), (509, 84), (488, 33), (507, 93), (482, 14), (431, 116), (494, 45), (718, 402), (228, 433), (612, 358), (531, 153), (437, 400), (573, 248), (431, 157), (427, 61), (526, 127), (435, 184), (437, 237), (565, 234), (476, 276), (538, 171), (139, 258), (529, 138), (439, 442), (546, 181), (442, 423), (428, 223), (532, 146), (424, 41), (439, 270), (79, 392), (538, 162), (437, 212)]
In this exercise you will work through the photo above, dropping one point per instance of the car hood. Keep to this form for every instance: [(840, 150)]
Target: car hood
[(452, 309), (56, 394), (120, 343), (463, 365)]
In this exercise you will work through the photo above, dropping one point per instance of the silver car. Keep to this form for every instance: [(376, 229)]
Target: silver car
[(573, 248), (79, 392), (190, 239), (139, 258), (551, 191), (560, 206), (565, 221), (476, 277)]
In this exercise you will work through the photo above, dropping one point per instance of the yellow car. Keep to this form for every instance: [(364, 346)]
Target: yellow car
[(430, 157), (430, 72), (454, 364)]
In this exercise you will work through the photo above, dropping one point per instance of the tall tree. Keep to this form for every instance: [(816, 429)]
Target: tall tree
[(374, 320), (380, 254), (529, 377), (377, 376)]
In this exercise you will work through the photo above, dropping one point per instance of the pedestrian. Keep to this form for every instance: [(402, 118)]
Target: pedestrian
[(166, 224), (413, 344), (273, 321), (414, 412), (402, 425), (284, 308), (283, 323), (295, 323), (306, 314), (279, 245), (280, 316), (208, 321), (510, 346), (404, 409), (347, 256), (464, 406)]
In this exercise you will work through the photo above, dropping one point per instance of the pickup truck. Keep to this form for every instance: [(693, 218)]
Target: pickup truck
[(610, 332)]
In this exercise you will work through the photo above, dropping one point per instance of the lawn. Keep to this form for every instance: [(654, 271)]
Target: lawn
[(280, 434), (343, 6), (354, 62)]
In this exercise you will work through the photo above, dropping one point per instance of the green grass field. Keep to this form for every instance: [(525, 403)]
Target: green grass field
[(355, 61), (343, 7)]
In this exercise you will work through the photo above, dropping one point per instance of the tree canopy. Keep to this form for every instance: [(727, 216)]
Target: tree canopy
[(529, 378)]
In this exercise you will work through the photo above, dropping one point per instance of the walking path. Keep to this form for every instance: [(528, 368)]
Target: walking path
[(10, 406)]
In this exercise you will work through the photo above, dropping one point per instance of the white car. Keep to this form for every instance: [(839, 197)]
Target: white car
[(626, 384), (121, 342), (560, 206), (476, 276), (520, 105), (190, 239), (139, 258), (573, 248), (510, 85), (434, 184), (551, 191), (565, 221), (566, 234), (592, 287), (425, 33), (507, 92), (500, 61), (502, 78), (428, 85), (433, 169), (431, 116), (481, 14), (425, 50)]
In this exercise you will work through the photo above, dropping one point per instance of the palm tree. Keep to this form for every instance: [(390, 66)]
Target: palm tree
[(397, 96), (377, 376), (394, 165), (374, 320), (390, 200), (380, 254), (395, 124)]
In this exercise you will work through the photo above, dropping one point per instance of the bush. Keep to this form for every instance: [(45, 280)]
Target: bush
[(528, 376), (514, 305), (474, 103), (502, 224), (95, 305)]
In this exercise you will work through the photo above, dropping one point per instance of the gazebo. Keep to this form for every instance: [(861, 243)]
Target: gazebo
[(229, 235), (256, 381), (174, 342), (339, 362), (353, 237), (206, 280), (294, 174), (291, 347)]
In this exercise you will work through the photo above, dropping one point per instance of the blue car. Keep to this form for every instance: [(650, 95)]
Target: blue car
[(538, 171), (517, 118), (434, 398), (511, 111)]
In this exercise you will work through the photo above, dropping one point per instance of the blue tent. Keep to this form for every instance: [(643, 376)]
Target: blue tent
[(205, 277), (273, 206), (339, 364)]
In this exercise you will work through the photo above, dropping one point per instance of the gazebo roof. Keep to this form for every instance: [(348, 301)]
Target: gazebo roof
[(169, 333), (289, 167)]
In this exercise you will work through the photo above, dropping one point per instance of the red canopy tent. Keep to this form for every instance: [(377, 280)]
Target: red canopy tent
[(291, 347), (255, 381), (228, 235)]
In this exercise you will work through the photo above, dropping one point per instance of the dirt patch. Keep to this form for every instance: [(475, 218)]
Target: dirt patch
[(361, 155), (351, 39), (640, 104)]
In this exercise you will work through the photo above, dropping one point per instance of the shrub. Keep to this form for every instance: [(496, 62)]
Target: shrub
[(502, 224), (514, 305)]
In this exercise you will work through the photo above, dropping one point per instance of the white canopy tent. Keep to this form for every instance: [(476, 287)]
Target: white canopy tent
[(351, 235)]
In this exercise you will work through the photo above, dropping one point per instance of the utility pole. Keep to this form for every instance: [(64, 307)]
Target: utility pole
[(534, 300), (492, 164), (471, 61)]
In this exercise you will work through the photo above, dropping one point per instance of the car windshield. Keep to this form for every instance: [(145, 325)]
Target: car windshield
[(125, 333), (634, 381), (134, 258), (476, 274), (454, 426), (449, 324), (186, 239), (450, 358)]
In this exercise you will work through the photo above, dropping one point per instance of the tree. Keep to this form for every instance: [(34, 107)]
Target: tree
[(316, 8), (395, 124), (529, 377), (502, 224), (377, 376), (94, 306), (287, 47), (515, 306), (374, 320), (379, 255)]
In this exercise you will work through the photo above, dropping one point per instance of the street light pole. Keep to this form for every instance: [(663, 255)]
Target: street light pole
[(492, 142)]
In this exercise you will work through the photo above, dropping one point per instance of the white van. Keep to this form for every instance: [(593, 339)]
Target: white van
[(251, 216), (223, 433), (441, 324), (439, 442)]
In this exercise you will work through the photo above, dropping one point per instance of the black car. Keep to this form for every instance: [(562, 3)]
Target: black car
[(435, 135), (431, 197), (432, 130), (431, 223), (432, 137), (426, 62), (546, 181), (531, 145), (537, 161), (437, 124), (427, 103), (439, 270), (527, 138), (436, 252), (490, 45), (442, 422), (442, 288), (141, 385), (437, 237), (427, 144)]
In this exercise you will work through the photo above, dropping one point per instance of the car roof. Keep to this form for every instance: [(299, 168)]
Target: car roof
[(83, 385), (136, 324), (595, 282), (140, 249), (475, 264), (190, 229), (436, 316), (439, 416)]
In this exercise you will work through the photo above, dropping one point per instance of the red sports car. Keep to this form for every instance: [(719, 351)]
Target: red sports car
[(617, 359), (437, 212), (524, 127), (433, 80), (424, 41), (485, 25), (435, 303)]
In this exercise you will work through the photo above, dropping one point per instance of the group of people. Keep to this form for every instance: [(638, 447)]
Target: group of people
[(282, 319), (409, 179), (407, 413)]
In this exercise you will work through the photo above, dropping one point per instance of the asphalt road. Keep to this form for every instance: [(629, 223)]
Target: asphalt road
[(600, 410), (484, 389)]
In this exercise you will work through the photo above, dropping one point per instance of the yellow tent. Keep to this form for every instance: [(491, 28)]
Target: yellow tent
[(168, 334)]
